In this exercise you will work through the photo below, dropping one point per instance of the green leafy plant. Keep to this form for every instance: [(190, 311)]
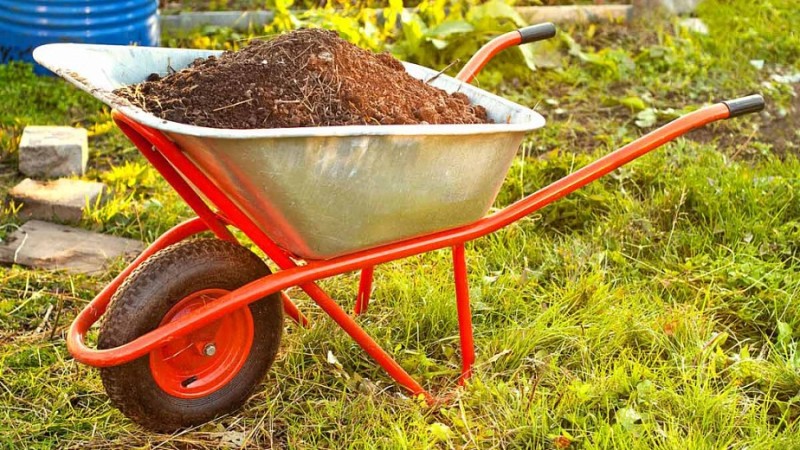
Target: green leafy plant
[(434, 33), (438, 33)]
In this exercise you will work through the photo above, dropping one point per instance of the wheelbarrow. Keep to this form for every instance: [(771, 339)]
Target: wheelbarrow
[(191, 326)]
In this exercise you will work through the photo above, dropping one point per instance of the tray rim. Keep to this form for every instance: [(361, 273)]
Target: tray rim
[(45, 55)]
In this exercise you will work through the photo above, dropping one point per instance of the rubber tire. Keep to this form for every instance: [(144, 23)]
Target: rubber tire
[(145, 298)]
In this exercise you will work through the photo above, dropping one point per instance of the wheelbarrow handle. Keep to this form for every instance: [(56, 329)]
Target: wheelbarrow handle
[(525, 35), (744, 105), (537, 32)]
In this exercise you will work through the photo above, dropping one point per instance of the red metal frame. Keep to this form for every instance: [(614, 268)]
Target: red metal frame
[(305, 276), (364, 290), (462, 308), (177, 168)]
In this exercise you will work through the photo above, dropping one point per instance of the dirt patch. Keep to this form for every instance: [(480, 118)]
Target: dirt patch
[(306, 78), (783, 133), (639, 34)]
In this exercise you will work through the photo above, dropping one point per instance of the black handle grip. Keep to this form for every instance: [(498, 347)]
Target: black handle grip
[(538, 32), (745, 105)]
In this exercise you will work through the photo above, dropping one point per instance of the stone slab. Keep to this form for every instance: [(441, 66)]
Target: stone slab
[(57, 247), (694, 25), (62, 200), (50, 152)]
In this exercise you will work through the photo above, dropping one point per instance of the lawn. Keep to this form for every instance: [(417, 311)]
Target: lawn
[(655, 308)]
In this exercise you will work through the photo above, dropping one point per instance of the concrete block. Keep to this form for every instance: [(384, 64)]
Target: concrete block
[(57, 247), (51, 152), (62, 200), (694, 25)]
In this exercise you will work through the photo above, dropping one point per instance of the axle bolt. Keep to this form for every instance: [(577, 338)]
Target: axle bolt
[(209, 349)]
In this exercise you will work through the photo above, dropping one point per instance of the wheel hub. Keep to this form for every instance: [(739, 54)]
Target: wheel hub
[(203, 361)]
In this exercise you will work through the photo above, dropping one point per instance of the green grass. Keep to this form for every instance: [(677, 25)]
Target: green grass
[(656, 308)]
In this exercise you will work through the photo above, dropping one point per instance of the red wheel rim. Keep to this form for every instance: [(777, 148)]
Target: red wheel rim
[(202, 362)]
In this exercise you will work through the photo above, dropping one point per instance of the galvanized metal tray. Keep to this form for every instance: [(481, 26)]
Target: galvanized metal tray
[(326, 191)]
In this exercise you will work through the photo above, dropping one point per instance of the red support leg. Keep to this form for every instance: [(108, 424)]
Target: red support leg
[(364, 290), (291, 310), (369, 345), (464, 316)]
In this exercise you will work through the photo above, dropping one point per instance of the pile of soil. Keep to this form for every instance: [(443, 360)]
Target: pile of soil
[(307, 78)]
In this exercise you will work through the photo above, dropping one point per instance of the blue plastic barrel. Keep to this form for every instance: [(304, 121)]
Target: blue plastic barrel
[(26, 24)]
